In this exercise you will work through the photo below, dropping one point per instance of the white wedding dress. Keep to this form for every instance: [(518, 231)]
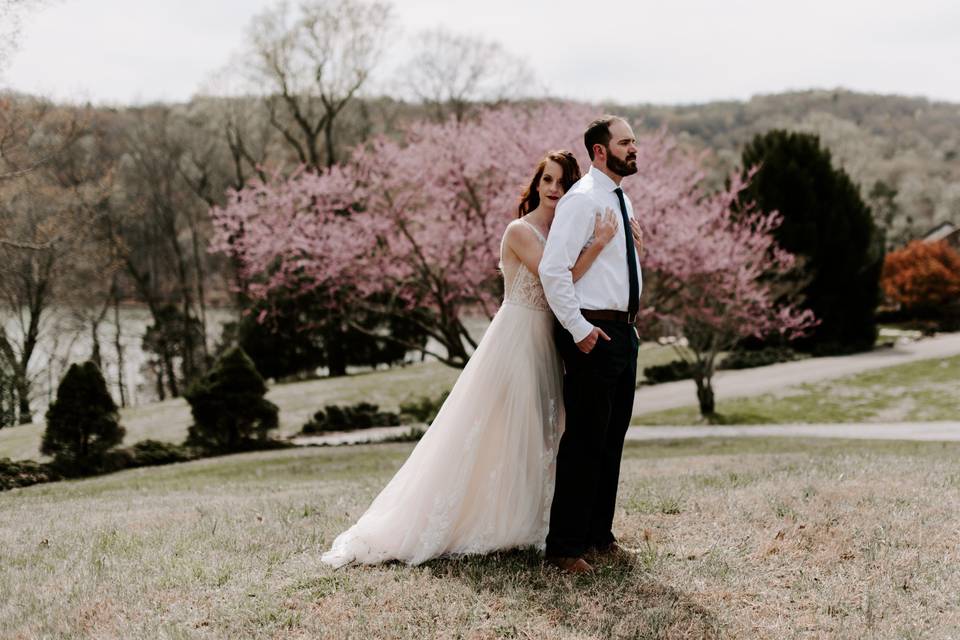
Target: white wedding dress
[(482, 476)]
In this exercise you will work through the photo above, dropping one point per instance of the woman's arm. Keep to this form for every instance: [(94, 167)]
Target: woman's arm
[(525, 245), (604, 229)]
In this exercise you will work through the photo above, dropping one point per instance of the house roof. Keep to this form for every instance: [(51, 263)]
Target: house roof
[(940, 232)]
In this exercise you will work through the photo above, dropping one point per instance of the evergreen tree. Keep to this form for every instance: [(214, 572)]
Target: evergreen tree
[(827, 225), (82, 423), (229, 410)]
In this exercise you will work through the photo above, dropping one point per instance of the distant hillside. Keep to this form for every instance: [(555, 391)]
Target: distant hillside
[(904, 152)]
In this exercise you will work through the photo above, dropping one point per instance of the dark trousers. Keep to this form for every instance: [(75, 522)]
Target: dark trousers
[(598, 390)]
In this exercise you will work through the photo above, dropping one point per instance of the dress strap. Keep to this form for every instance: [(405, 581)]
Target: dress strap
[(535, 230)]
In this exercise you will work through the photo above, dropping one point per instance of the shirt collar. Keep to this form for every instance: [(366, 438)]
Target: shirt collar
[(602, 180)]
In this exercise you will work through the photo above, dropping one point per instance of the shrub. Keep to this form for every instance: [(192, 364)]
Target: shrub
[(82, 422), (669, 372), (23, 473), (923, 280), (413, 434), (228, 407), (744, 359), (422, 409), (115, 460), (362, 415), (153, 452)]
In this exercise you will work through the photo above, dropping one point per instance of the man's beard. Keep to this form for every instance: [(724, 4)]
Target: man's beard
[(621, 167)]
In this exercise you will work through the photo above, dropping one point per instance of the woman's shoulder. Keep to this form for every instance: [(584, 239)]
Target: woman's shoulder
[(519, 231)]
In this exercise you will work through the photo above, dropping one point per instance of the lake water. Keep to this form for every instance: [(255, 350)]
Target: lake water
[(65, 339)]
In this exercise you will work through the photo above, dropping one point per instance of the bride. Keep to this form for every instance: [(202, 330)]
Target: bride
[(481, 478)]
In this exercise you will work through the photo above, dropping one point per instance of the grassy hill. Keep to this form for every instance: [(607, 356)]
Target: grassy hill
[(734, 539)]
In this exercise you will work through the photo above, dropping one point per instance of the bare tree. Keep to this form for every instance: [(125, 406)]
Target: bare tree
[(452, 73), (87, 174), (311, 66), (156, 225), (22, 152), (31, 282), (232, 116), (46, 226), (11, 12)]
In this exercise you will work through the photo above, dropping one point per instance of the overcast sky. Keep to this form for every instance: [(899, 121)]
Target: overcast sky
[(670, 51)]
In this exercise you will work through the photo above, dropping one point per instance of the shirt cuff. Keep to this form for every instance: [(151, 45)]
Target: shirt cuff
[(581, 329)]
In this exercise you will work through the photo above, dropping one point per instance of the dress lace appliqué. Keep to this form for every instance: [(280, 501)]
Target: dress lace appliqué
[(525, 288)]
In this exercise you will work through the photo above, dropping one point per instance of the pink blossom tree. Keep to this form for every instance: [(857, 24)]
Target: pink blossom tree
[(711, 273), (413, 228)]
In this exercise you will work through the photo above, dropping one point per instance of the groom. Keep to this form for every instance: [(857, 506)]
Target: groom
[(598, 344)]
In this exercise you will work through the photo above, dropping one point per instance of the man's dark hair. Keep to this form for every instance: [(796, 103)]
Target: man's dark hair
[(598, 133)]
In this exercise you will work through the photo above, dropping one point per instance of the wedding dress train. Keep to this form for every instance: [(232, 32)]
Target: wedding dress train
[(482, 476)]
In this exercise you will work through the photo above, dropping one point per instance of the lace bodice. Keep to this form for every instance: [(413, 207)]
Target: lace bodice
[(523, 287)]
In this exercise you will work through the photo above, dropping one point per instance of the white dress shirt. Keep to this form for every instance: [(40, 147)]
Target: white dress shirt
[(606, 284)]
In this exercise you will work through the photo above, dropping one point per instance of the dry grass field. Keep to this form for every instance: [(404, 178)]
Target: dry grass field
[(744, 538)]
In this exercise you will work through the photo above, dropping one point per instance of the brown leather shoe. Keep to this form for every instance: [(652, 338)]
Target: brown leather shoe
[(570, 565), (612, 551)]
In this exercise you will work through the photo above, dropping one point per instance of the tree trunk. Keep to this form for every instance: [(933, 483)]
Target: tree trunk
[(95, 351), (705, 396), (24, 413), (115, 294), (329, 142), (336, 356), (200, 273), (158, 372), (171, 372), (456, 352)]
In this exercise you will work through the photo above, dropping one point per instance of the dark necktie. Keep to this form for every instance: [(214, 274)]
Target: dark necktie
[(634, 304)]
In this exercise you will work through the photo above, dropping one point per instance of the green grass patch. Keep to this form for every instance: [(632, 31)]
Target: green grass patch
[(919, 391)]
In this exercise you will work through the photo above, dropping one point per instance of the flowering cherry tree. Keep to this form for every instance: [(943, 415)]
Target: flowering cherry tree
[(415, 225), (711, 272), (410, 226)]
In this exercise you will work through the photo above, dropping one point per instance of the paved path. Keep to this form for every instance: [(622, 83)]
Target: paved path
[(760, 380), (938, 431), (357, 436), (747, 382)]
